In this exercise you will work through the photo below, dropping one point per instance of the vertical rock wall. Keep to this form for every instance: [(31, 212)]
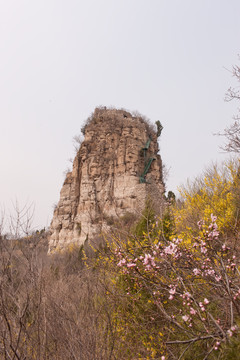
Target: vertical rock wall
[(105, 179)]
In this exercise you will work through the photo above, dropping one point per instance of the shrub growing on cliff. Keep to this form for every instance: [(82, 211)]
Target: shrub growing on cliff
[(114, 118)]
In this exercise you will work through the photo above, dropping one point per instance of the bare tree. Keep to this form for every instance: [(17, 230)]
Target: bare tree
[(77, 141), (20, 221), (232, 133), (50, 307)]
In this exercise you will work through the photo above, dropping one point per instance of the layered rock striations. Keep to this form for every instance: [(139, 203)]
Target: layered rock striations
[(115, 170)]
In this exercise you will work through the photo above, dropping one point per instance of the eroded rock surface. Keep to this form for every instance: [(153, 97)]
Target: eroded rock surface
[(107, 179)]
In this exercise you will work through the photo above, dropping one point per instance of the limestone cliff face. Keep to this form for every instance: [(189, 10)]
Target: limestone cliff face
[(116, 168)]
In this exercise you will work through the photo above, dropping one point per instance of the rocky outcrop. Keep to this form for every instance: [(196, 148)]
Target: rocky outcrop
[(116, 168)]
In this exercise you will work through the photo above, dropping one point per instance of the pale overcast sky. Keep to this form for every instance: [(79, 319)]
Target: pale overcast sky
[(59, 59)]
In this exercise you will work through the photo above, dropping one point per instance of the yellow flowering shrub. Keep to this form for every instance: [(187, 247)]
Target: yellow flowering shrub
[(215, 193)]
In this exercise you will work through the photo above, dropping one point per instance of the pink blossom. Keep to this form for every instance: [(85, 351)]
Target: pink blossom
[(192, 311), (185, 318), (200, 224), (171, 297), (186, 295), (213, 234), (214, 218), (130, 265), (210, 272), (148, 261), (177, 241), (206, 301), (196, 271), (171, 249), (203, 250), (122, 262)]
